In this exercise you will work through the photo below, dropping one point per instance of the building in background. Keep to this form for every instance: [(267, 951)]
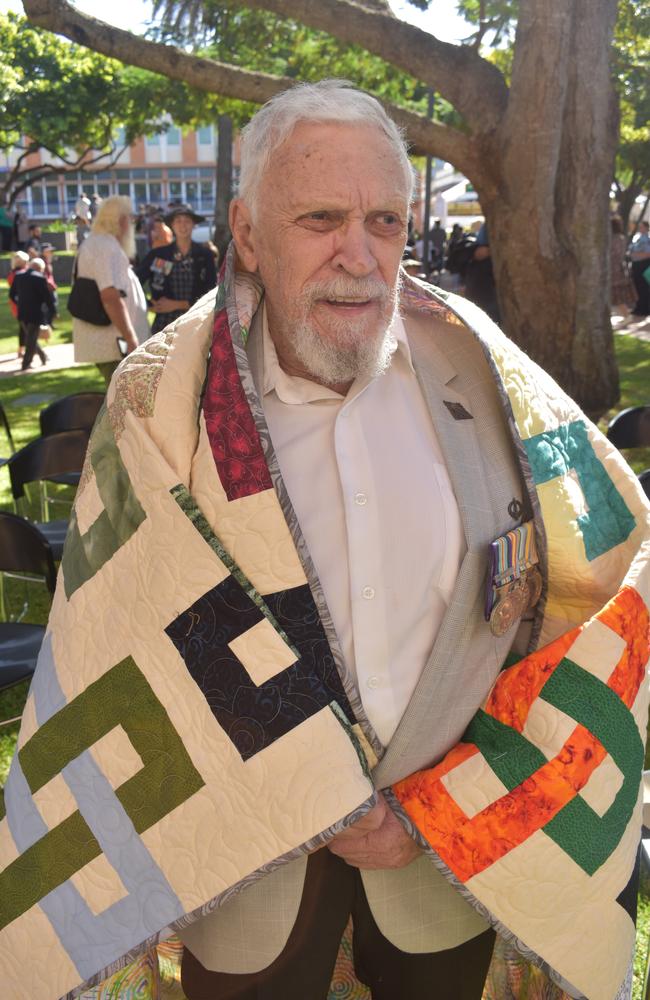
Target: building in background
[(175, 165)]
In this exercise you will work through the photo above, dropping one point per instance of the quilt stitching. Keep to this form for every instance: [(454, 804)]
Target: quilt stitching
[(607, 521), (233, 436), (543, 794), (167, 778)]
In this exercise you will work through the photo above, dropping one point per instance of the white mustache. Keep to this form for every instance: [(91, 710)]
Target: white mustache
[(346, 288)]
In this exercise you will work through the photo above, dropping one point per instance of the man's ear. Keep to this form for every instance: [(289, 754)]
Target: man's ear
[(241, 227)]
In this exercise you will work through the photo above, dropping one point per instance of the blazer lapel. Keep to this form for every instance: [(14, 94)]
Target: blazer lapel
[(466, 657)]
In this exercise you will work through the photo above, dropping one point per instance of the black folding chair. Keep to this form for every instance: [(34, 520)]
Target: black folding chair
[(7, 429), (43, 459), (71, 413), (24, 555), (630, 428)]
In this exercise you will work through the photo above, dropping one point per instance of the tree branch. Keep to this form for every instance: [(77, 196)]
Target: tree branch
[(470, 83), (474, 86), (168, 60), (206, 74)]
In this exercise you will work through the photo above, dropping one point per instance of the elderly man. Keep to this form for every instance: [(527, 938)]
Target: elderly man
[(352, 627), (35, 302), (104, 257)]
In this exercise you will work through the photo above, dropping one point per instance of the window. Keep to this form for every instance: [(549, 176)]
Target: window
[(207, 196), (52, 197), (204, 135), (152, 140), (124, 188), (173, 136), (155, 192)]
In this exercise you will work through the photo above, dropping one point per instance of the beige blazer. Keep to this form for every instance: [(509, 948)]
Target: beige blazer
[(415, 907)]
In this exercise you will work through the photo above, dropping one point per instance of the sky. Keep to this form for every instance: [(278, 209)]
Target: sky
[(440, 20)]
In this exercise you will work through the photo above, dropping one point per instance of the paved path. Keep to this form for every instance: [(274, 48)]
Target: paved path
[(632, 325), (59, 356)]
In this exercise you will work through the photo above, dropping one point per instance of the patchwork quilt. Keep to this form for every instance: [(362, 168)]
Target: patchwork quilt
[(187, 729)]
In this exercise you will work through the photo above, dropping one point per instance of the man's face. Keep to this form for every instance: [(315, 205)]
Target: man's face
[(37, 232), (182, 226), (327, 239)]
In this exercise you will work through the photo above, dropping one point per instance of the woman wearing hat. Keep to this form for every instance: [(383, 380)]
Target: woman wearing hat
[(179, 274)]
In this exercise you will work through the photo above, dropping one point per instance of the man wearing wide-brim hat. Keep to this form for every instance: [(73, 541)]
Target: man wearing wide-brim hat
[(177, 275)]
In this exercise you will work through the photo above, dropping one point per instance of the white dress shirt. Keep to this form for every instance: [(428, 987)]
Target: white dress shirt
[(371, 491)]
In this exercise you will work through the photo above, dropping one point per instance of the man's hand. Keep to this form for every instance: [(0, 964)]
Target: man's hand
[(377, 840), (114, 304)]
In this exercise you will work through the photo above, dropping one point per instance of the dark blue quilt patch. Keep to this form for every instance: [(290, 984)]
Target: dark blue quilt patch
[(252, 715)]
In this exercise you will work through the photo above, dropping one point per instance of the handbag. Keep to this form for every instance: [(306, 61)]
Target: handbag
[(84, 301), (44, 331), (646, 274)]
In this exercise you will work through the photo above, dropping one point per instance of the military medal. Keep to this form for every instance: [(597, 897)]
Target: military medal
[(515, 582)]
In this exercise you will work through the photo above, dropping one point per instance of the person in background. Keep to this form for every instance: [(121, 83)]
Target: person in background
[(19, 263), (104, 257), (479, 278), (456, 235), (48, 257), (161, 235), (21, 228), (179, 274), (33, 296), (639, 252), (82, 217), (437, 239), (622, 296), (34, 245), (95, 202), (6, 228)]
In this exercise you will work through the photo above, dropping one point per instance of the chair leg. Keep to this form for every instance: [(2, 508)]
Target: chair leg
[(45, 507)]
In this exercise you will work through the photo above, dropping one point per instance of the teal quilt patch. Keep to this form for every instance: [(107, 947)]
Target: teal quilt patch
[(607, 521)]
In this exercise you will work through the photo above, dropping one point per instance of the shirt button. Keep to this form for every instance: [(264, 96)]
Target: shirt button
[(360, 499), (373, 682), (368, 593)]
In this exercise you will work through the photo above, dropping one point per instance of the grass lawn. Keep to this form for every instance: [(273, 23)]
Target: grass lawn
[(634, 364)]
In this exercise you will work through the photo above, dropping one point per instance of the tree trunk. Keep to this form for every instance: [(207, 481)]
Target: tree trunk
[(549, 224), (224, 184)]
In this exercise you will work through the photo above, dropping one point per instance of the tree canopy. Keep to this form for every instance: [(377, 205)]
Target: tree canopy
[(62, 98), (538, 144)]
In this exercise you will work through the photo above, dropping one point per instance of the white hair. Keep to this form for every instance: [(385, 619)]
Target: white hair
[(19, 259), (327, 101), (109, 214), (36, 264)]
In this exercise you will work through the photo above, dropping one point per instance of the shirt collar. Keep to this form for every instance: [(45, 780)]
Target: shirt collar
[(293, 389)]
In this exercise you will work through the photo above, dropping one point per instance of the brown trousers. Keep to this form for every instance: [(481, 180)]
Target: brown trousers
[(333, 891)]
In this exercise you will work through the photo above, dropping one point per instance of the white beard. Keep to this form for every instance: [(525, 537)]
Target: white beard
[(127, 242), (352, 351)]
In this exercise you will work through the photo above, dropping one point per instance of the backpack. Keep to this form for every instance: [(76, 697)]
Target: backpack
[(461, 253)]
